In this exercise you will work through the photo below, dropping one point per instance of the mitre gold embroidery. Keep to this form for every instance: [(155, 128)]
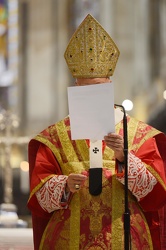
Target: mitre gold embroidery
[(91, 52)]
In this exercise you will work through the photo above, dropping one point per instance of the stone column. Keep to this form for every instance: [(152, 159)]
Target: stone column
[(45, 72), (60, 73), (141, 46)]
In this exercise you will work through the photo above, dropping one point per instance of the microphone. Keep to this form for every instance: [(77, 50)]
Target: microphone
[(124, 129), (126, 212)]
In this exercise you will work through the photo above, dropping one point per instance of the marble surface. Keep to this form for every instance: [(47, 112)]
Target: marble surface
[(16, 239)]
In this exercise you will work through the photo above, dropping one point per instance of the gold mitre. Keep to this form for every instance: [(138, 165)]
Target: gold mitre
[(91, 52)]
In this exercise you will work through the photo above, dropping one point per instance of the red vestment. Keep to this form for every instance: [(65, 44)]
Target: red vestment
[(97, 221)]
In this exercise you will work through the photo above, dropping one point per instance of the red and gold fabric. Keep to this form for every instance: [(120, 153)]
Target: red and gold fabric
[(96, 222)]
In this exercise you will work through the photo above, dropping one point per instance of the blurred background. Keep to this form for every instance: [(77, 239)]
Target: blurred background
[(34, 76)]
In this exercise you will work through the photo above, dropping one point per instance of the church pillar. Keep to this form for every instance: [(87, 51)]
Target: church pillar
[(44, 74)]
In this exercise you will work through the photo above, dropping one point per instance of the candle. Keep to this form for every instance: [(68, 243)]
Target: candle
[(24, 176)]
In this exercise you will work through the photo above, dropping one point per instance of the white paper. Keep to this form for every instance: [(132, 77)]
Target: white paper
[(91, 111)]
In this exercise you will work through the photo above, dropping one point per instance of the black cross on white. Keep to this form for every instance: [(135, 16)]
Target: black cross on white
[(95, 150)]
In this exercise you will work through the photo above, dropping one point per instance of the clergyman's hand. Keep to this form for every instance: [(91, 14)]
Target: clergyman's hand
[(116, 143), (75, 182)]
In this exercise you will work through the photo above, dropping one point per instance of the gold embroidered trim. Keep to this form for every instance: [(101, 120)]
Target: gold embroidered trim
[(75, 222), (65, 142), (117, 207), (41, 138), (83, 149), (138, 133), (117, 211), (157, 176)]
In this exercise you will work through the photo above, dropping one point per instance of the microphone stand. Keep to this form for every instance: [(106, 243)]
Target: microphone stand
[(127, 245)]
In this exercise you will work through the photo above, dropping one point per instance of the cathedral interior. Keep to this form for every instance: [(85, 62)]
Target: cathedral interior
[(34, 75)]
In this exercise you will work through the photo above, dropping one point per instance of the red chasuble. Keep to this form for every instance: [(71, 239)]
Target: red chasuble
[(96, 222)]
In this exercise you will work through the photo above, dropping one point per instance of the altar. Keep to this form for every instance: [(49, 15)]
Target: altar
[(16, 239)]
